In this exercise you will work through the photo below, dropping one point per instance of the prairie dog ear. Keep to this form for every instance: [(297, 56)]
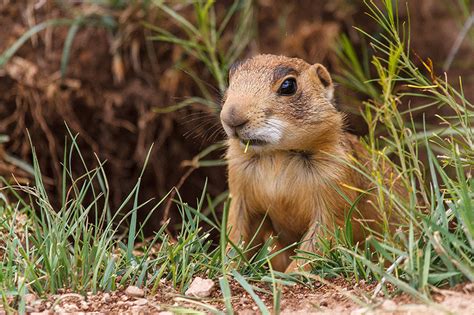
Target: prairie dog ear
[(325, 78)]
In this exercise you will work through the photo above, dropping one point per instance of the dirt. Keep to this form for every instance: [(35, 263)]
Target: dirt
[(335, 297)]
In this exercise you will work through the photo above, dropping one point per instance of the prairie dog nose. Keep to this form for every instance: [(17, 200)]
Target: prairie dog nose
[(233, 118)]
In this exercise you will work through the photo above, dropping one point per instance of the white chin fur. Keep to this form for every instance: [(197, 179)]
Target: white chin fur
[(271, 132)]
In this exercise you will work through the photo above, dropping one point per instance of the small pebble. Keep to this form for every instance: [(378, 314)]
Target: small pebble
[(29, 309), (141, 302), (134, 291), (200, 287), (84, 305), (106, 297)]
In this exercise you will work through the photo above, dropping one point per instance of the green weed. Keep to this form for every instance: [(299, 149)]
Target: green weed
[(434, 247)]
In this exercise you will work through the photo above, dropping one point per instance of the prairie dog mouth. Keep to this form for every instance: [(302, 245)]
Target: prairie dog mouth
[(254, 142)]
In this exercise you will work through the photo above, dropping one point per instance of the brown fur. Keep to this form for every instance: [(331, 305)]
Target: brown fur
[(293, 179)]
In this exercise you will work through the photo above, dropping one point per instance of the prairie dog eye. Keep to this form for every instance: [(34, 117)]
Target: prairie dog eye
[(288, 87)]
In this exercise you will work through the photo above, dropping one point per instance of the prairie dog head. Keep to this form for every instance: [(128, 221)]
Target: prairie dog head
[(279, 103)]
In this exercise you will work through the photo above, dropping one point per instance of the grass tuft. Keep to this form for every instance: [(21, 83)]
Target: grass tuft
[(434, 245)]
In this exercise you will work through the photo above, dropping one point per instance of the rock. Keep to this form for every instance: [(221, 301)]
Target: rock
[(141, 302), (200, 287), (134, 291), (84, 305), (29, 309), (106, 298), (323, 303)]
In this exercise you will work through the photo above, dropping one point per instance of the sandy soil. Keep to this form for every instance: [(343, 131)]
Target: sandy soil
[(337, 297)]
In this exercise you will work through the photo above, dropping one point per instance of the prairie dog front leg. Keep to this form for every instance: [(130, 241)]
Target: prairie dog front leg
[(254, 230), (308, 244), (243, 225)]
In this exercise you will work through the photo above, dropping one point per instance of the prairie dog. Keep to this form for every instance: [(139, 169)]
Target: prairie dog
[(289, 157)]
